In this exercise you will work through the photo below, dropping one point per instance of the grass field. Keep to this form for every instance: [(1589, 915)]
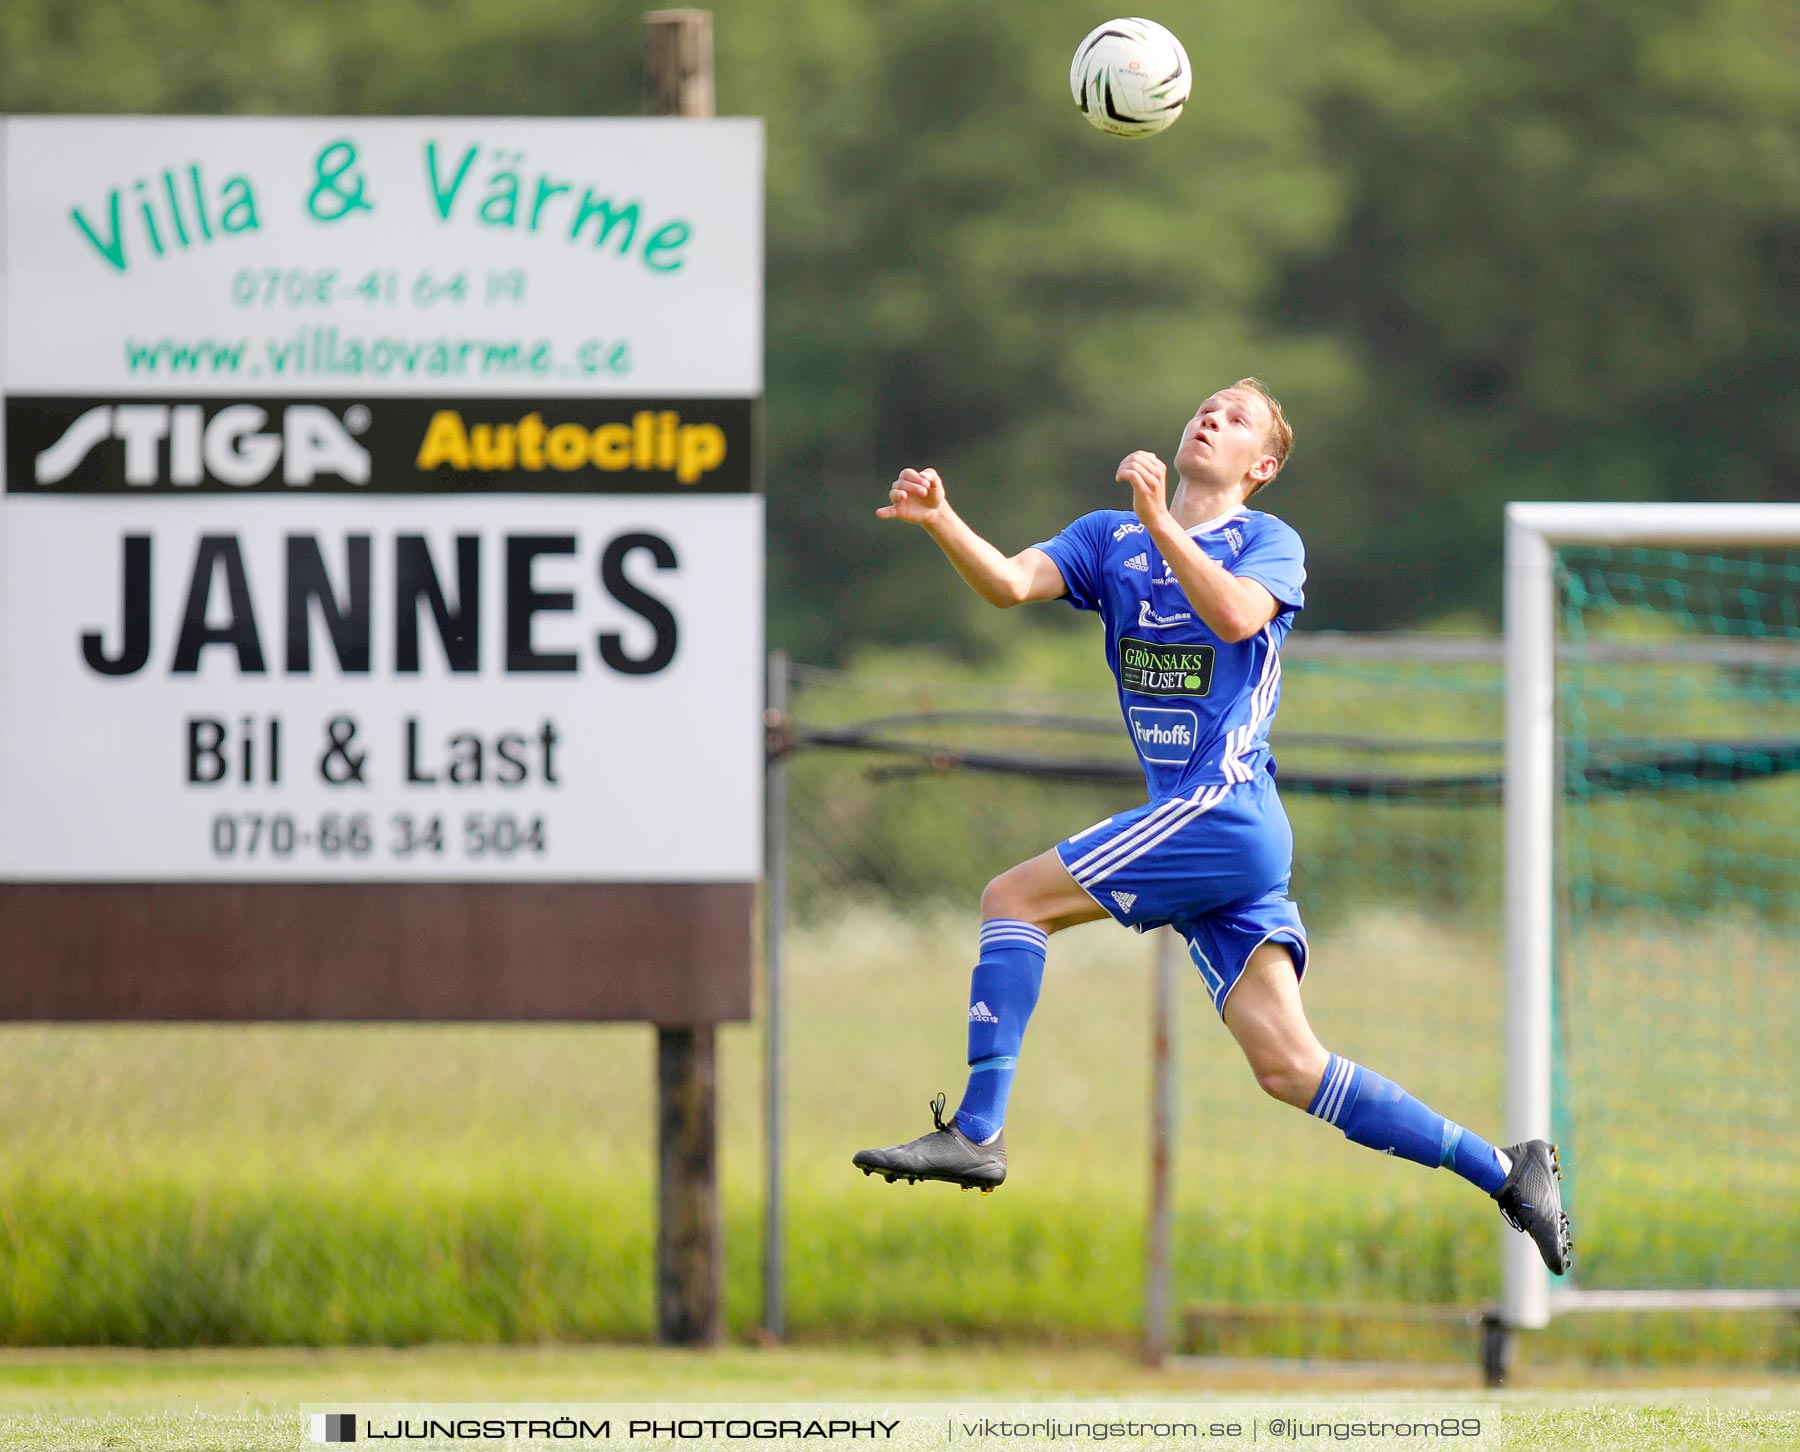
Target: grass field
[(252, 1399)]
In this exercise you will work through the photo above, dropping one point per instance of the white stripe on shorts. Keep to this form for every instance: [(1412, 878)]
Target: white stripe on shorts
[(1175, 808), (1197, 807), (1081, 864)]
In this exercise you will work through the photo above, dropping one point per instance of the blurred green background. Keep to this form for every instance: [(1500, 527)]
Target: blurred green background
[(1494, 250), (1502, 249)]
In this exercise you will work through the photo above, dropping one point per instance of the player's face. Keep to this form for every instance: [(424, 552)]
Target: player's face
[(1224, 439)]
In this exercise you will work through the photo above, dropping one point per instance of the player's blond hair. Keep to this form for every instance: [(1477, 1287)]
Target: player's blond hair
[(1280, 437)]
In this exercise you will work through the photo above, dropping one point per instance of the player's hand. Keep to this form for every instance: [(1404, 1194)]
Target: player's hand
[(1148, 477), (917, 497)]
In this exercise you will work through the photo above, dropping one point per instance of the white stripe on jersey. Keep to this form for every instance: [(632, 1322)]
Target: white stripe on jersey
[(1262, 701)]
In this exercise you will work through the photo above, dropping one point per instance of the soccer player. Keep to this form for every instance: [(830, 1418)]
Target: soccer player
[(1196, 594)]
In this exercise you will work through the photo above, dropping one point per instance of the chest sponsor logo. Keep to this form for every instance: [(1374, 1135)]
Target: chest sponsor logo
[(1164, 735), (1129, 527), (1148, 619), (1153, 668)]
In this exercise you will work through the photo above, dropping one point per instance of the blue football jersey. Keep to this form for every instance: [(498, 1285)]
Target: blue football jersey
[(1198, 708)]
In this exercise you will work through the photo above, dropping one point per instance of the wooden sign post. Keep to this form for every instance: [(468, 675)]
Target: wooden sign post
[(690, 1255)]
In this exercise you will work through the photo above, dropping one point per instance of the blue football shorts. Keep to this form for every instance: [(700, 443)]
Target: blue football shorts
[(1214, 865)]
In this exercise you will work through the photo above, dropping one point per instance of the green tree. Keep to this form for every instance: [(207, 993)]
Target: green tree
[(1568, 271), (1504, 249)]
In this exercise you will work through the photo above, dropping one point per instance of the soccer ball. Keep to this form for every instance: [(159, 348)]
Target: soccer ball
[(1130, 77)]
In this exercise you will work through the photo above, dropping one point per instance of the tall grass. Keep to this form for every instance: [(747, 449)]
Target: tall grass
[(305, 1185)]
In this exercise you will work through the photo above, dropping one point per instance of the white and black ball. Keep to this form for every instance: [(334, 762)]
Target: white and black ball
[(1131, 77)]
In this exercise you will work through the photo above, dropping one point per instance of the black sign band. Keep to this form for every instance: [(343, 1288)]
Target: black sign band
[(183, 446)]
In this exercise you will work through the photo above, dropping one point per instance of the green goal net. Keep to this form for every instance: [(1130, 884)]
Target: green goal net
[(1676, 1013)]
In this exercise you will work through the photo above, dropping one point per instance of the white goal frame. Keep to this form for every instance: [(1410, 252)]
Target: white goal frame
[(1533, 531)]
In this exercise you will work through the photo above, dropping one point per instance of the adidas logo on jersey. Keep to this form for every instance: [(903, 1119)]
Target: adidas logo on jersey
[(981, 1013), (1125, 900), (1139, 562)]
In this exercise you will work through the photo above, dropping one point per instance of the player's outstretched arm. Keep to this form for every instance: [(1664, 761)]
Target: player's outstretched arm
[(1234, 609), (917, 497)]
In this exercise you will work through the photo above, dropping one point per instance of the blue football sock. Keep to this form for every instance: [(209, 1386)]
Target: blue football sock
[(1379, 1114), (1002, 993)]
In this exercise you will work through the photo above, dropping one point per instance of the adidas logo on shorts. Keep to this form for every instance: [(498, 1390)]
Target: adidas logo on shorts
[(1139, 562), (979, 1012), (1125, 900)]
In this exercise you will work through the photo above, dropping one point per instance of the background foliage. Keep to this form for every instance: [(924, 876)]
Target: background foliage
[(1502, 249)]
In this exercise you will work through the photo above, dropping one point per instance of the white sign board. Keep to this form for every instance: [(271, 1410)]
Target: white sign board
[(377, 500), (379, 256)]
